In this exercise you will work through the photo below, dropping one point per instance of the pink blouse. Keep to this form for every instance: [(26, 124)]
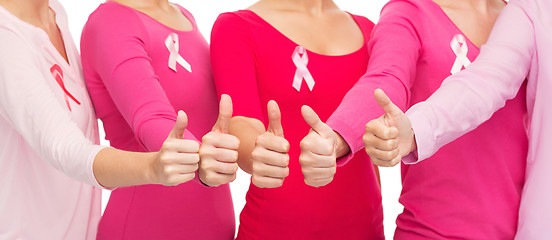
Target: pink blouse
[(139, 74), (469, 189)]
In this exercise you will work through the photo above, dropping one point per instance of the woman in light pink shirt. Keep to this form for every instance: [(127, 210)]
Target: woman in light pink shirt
[(51, 171), (518, 48)]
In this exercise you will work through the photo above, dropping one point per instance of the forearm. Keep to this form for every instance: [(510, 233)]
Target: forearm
[(116, 168), (246, 130)]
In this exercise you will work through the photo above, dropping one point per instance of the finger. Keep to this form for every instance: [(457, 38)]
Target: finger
[(267, 182), (317, 161), (381, 154), (384, 163), (225, 168), (316, 144), (180, 126), (220, 140), (378, 128), (225, 155), (179, 179), (261, 155), (319, 173), (315, 123), (181, 146), (214, 179), (274, 119), (225, 114), (383, 100), (318, 182), (270, 171), (273, 143), (371, 140)]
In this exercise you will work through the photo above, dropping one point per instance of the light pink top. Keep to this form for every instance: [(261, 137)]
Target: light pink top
[(126, 61), (411, 55), (47, 187), (519, 47)]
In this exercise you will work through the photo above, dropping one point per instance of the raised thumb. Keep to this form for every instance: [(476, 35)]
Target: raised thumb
[(315, 123), (180, 125), (274, 119), (225, 114), (391, 110)]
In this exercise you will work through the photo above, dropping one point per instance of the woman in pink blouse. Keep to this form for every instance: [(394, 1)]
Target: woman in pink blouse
[(51, 171), (296, 53), (518, 49), (143, 61), (415, 45)]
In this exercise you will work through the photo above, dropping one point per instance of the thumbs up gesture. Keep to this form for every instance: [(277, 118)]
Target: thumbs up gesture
[(389, 137), (218, 150), (178, 159), (270, 157), (318, 151)]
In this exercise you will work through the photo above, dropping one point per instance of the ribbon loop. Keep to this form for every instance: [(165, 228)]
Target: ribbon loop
[(57, 73), (173, 46), (300, 59), (460, 49)]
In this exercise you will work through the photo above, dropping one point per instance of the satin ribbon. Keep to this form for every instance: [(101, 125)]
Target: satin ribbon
[(172, 45), (460, 49), (300, 59), (57, 73)]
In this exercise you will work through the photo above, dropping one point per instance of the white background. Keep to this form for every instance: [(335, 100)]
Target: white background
[(205, 12)]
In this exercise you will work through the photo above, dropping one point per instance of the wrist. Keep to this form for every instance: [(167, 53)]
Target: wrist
[(342, 148), (149, 173)]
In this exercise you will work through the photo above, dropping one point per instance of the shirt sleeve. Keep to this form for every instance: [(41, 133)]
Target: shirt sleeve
[(233, 61), (470, 97), (114, 46), (29, 105), (394, 52)]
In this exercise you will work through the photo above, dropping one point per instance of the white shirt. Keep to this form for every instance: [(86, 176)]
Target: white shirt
[(47, 186)]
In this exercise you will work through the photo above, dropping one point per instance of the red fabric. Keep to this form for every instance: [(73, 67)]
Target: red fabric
[(252, 62)]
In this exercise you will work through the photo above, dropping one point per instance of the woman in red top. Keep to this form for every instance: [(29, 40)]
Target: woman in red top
[(296, 53)]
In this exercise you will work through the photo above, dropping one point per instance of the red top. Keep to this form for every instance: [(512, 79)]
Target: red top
[(252, 62)]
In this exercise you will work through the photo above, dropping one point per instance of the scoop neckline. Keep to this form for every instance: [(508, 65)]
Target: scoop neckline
[(363, 47), (194, 26)]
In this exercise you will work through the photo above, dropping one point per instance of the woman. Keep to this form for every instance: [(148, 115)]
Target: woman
[(142, 61), (504, 63), (51, 171), (416, 44), (295, 52)]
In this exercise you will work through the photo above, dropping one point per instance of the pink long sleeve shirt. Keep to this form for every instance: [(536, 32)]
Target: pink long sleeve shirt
[(469, 189), (519, 47), (47, 186), (138, 76)]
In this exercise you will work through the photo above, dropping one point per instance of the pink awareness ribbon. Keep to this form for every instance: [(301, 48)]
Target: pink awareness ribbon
[(460, 49), (172, 45), (300, 59), (57, 73)]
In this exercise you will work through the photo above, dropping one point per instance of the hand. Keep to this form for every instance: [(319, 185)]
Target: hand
[(178, 159), (270, 157), (318, 151), (389, 137), (218, 150)]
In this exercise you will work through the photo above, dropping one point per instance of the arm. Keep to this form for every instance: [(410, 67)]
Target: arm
[(395, 49), (29, 105), (470, 97), (114, 48)]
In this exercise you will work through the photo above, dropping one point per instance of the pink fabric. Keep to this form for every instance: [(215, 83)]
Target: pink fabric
[(47, 185), (471, 188), (518, 47), (252, 62), (136, 95)]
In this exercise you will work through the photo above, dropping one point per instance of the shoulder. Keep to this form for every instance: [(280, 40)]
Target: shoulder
[(363, 22), (238, 22), (187, 13), (112, 14)]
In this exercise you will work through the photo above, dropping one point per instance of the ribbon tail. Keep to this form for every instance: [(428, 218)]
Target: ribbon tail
[(297, 80)]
